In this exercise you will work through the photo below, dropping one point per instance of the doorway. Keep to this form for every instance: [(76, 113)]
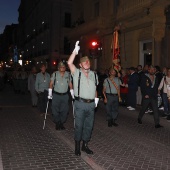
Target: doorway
[(147, 58), (145, 52)]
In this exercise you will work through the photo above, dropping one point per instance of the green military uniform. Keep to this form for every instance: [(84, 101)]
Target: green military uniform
[(112, 99), (41, 86), (60, 105), (84, 105)]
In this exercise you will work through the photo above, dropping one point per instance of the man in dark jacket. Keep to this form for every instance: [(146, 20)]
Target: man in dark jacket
[(132, 88), (149, 87)]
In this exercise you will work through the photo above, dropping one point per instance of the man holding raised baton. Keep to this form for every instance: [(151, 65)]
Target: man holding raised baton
[(84, 83)]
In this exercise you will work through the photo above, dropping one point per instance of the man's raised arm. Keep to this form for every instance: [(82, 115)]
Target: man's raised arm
[(72, 57)]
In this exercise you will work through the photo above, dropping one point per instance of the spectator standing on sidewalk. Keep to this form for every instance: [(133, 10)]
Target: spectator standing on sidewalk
[(165, 83), (41, 86), (60, 83), (111, 92), (139, 94), (31, 86), (149, 87), (84, 84), (132, 88)]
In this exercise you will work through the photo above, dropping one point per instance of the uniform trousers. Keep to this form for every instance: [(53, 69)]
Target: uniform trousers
[(154, 104), (60, 107), (34, 97), (112, 106), (84, 120), (42, 101)]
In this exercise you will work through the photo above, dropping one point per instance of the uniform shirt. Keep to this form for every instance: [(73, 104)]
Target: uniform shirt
[(42, 82), (61, 83), (111, 89), (87, 88)]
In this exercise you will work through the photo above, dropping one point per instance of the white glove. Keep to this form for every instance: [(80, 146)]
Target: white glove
[(50, 94), (72, 93), (96, 100), (77, 47)]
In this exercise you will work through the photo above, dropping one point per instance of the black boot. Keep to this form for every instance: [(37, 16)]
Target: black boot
[(109, 123), (62, 126), (57, 126), (77, 148), (85, 148), (114, 123)]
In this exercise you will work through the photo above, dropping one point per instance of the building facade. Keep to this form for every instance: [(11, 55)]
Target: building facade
[(143, 34), (43, 27)]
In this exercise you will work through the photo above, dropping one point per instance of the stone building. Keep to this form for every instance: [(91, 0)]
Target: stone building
[(143, 36), (43, 27)]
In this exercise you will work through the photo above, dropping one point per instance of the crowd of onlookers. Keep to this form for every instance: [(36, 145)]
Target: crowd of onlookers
[(131, 94)]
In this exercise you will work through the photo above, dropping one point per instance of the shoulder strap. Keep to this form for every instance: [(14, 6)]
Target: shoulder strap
[(54, 80), (109, 85), (79, 83), (95, 79)]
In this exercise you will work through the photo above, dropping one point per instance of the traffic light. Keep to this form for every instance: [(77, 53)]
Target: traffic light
[(95, 49), (54, 63), (94, 44)]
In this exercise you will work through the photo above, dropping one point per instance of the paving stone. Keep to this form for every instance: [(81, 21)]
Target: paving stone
[(129, 146)]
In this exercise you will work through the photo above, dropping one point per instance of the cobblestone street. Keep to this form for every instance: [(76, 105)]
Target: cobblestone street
[(24, 145)]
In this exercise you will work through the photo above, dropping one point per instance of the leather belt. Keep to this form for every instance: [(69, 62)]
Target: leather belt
[(111, 94), (84, 100), (60, 93)]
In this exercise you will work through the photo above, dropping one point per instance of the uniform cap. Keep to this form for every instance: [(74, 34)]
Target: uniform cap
[(61, 64), (84, 59)]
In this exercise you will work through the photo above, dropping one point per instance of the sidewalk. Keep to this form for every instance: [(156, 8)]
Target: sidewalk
[(130, 146)]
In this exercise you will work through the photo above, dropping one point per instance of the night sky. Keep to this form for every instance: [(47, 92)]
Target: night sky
[(8, 13)]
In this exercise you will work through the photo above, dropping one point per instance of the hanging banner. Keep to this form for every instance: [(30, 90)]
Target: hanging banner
[(116, 51)]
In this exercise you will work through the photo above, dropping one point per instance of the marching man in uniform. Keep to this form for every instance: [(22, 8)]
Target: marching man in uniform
[(41, 86), (84, 85), (111, 92), (60, 83)]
